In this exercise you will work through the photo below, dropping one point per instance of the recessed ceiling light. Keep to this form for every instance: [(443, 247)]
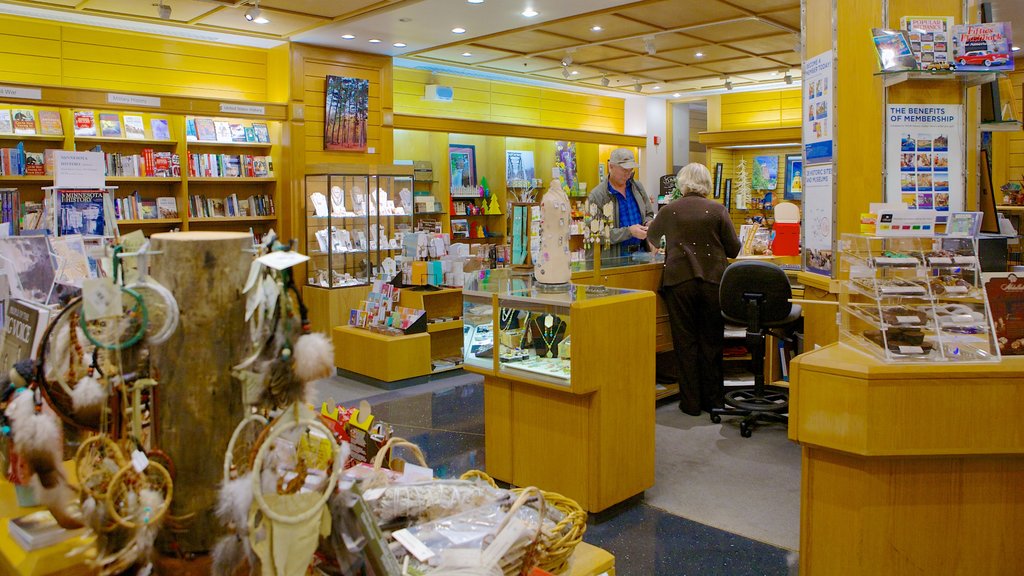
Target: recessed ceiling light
[(575, 72), (596, 28), (676, 95), (374, 41), (467, 54), (655, 87), (458, 30), (530, 12), (399, 44), (475, 1), (699, 54), (261, 20), (347, 37)]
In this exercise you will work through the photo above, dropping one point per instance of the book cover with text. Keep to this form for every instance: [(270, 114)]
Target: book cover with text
[(237, 132), (160, 129), (82, 212), (223, 130), (206, 130), (983, 46), (6, 123), (85, 123), (167, 207), (262, 133), (50, 123), (110, 125), (24, 121), (134, 127)]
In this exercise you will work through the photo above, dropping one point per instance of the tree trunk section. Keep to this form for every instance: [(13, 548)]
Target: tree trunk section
[(198, 405)]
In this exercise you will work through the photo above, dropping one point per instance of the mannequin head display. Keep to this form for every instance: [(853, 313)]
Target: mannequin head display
[(337, 201), (319, 202)]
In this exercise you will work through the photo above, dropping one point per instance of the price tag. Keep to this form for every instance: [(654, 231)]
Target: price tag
[(101, 298), (139, 461), (373, 494), (413, 544), (911, 350), (282, 259), (940, 260), (907, 319)]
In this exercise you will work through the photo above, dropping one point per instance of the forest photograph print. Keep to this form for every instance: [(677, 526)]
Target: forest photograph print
[(345, 115)]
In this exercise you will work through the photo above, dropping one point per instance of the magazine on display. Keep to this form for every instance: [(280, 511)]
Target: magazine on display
[(931, 40), (894, 50), (82, 212), (24, 324), (29, 266), (983, 46)]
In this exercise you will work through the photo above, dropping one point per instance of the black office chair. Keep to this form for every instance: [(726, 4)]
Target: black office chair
[(757, 294)]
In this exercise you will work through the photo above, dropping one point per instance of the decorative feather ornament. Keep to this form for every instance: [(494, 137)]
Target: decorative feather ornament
[(88, 398), (229, 554), (314, 357), (62, 502), (145, 535), (284, 387), (234, 501), (37, 437)]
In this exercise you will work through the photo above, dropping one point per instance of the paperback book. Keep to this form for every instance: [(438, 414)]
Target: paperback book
[(262, 133), (85, 123), (35, 163), (49, 123), (206, 130), (134, 128), (24, 121), (29, 266), (160, 129), (110, 125), (930, 40), (6, 124), (237, 132), (82, 212), (893, 48), (167, 207), (24, 323), (223, 131), (190, 130), (983, 46), (39, 530), (250, 134)]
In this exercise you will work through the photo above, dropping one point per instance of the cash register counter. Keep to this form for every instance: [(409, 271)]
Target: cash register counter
[(908, 469)]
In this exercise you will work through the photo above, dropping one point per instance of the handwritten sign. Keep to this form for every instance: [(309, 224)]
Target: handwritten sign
[(78, 169), (133, 100)]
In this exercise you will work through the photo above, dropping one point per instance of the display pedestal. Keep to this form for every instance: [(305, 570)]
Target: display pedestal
[(898, 459), (387, 358)]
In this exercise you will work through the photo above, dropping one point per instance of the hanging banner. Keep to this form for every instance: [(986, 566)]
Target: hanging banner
[(819, 205), (924, 156), (818, 109)]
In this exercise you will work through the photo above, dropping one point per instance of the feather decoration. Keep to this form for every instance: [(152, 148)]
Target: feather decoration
[(37, 437), (234, 501), (284, 387), (229, 553), (62, 503), (88, 398), (145, 536), (314, 357)]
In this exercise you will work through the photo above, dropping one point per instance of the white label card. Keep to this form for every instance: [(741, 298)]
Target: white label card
[(911, 350), (101, 298), (282, 259), (139, 461), (23, 93), (78, 169), (243, 109), (957, 289), (413, 544), (907, 319), (133, 100)]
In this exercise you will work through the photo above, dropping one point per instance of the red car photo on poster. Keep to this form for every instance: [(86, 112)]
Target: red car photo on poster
[(979, 58)]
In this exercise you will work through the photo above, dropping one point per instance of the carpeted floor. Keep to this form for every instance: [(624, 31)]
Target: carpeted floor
[(708, 473)]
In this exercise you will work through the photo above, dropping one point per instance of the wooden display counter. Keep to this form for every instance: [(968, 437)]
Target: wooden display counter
[(592, 438), (386, 358), (908, 469)]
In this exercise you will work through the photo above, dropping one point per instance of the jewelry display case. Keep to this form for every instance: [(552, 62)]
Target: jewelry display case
[(355, 219), (915, 299)]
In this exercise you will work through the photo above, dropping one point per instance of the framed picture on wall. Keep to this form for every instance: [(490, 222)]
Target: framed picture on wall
[(728, 195), (766, 173), (346, 109), (794, 177), (718, 180), (462, 165)]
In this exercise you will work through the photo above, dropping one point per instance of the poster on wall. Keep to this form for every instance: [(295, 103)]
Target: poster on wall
[(519, 171), (345, 113), (565, 161), (818, 201), (794, 177), (766, 173), (924, 156), (818, 108)]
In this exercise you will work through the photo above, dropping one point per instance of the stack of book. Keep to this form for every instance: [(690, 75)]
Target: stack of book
[(38, 530)]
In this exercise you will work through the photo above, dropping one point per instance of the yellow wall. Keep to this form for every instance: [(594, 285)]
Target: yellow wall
[(72, 56), (769, 109), (1010, 150), (493, 101), (730, 160)]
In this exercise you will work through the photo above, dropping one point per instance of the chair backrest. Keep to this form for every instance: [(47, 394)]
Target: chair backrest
[(754, 278)]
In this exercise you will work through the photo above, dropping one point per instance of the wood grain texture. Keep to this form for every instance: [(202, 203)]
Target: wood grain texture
[(387, 358), (199, 403), (330, 307)]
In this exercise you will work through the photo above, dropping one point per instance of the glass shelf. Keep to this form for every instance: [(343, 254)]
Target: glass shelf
[(1009, 126), (969, 77)]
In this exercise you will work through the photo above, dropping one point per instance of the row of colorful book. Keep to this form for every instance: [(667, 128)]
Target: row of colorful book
[(210, 130), (200, 206), (230, 166), (148, 163), (17, 162), (110, 126), (935, 43), (25, 121), (136, 207), (10, 205)]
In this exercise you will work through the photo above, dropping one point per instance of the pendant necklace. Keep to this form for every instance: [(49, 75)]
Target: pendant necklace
[(548, 334)]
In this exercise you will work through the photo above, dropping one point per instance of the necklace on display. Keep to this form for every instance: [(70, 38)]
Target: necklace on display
[(506, 318), (548, 333)]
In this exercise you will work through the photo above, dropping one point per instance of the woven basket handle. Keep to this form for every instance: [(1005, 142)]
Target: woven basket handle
[(396, 442), (521, 501)]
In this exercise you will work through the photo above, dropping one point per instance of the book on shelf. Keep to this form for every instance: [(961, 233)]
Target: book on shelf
[(190, 130), (39, 530), (206, 129), (223, 130), (931, 40), (110, 125), (6, 123), (28, 265), (12, 160), (24, 323), (35, 163), (250, 134), (85, 123), (24, 120), (9, 210), (50, 123), (232, 166), (147, 210), (893, 49), (167, 207), (33, 215), (160, 129), (983, 46), (261, 131), (134, 128), (83, 212), (237, 132), (73, 265)]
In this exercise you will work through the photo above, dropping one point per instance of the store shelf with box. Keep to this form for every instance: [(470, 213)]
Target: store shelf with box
[(443, 311)]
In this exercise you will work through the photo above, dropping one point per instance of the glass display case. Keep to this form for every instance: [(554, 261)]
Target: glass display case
[(915, 299), (355, 220)]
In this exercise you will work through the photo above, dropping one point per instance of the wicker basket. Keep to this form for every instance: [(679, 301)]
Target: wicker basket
[(556, 545)]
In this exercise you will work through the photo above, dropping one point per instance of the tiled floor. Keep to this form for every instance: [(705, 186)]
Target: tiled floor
[(445, 418)]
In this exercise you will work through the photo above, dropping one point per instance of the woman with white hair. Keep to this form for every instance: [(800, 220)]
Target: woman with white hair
[(699, 240)]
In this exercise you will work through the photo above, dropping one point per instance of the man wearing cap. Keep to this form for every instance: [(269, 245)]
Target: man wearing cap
[(633, 209)]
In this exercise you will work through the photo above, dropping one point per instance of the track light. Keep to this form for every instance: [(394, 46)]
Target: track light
[(728, 84), (567, 59), (649, 46), (163, 10), (566, 73), (254, 14), (788, 78), (605, 81), (638, 87)]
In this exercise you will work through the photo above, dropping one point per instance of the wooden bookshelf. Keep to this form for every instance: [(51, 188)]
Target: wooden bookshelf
[(109, 140), (229, 179), (212, 144), (29, 178), (234, 218), (33, 137), (150, 222), (158, 179)]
